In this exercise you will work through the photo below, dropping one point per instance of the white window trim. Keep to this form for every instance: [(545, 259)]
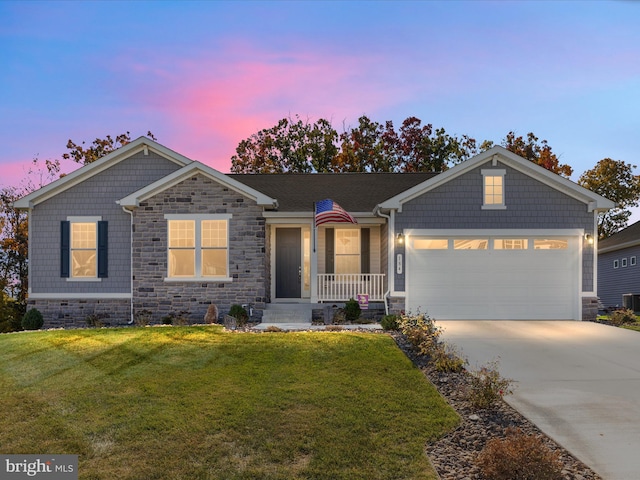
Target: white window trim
[(632, 261), (81, 219), (335, 250), (616, 264), (493, 172), (198, 218), (623, 263)]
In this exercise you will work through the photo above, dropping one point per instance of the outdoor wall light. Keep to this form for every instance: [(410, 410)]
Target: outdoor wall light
[(589, 238), (400, 239)]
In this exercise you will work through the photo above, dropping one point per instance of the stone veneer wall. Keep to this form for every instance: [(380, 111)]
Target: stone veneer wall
[(74, 313), (247, 253), (589, 309)]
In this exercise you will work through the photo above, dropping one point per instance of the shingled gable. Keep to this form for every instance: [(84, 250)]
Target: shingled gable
[(496, 154), (629, 237), (194, 168), (87, 171)]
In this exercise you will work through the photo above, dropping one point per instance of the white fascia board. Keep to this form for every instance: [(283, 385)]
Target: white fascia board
[(100, 165), (134, 199), (613, 248), (593, 200)]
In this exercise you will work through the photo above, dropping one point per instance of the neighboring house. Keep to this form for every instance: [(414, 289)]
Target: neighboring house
[(618, 269), (144, 228)]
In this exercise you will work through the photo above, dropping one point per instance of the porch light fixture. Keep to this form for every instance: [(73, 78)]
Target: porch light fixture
[(400, 239), (589, 238)]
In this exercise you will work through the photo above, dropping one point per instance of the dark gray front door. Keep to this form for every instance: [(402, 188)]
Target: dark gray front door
[(288, 266)]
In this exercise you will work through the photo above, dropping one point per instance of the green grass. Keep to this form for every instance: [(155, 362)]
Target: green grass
[(201, 403)]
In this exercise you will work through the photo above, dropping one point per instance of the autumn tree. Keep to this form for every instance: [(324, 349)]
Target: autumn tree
[(534, 150), (615, 180), (98, 148), (363, 148), (292, 145)]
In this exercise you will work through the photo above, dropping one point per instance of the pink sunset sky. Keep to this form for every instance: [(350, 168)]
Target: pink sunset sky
[(202, 76)]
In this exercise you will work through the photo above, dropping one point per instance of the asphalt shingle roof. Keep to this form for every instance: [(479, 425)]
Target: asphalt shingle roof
[(355, 192), (623, 237)]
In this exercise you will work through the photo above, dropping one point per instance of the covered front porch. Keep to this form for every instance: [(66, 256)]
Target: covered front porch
[(333, 263)]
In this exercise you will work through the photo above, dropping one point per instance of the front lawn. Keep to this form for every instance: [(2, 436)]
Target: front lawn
[(201, 403)]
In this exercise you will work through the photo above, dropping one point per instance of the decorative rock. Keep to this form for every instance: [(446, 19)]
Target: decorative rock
[(474, 417), (212, 314)]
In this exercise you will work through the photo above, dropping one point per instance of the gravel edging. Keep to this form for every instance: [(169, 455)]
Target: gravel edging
[(454, 455)]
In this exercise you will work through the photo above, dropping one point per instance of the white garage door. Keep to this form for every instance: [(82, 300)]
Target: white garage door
[(493, 277)]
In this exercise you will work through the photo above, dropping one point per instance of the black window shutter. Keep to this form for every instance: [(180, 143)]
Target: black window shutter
[(65, 248), (365, 251), (329, 250), (103, 258)]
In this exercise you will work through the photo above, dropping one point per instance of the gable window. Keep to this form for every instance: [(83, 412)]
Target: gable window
[(616, 263), (493, 188), (83, 248), (632, 261), (624, 262), (347, 250), (198, 247)]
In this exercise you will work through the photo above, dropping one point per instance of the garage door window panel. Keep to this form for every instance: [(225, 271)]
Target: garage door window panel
[(550, 244), (471, 244), (510, 244), (431, 243)]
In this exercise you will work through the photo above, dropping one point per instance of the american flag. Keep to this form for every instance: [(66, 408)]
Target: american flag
[(329, 211)]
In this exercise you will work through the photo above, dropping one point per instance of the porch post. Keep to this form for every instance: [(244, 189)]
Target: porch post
[(314, 261)]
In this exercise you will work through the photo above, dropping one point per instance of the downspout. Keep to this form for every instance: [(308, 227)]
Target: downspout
[(130, 212), (389, 238)]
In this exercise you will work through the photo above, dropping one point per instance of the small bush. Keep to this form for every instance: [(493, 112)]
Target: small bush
[(96, 319), (446, 358), (142, 317), (334, 328), (32, 320), (168, 319), (240, 314), (421, 331), (273, 329), (352, 310), (519, 456), (487, 386), (622, 317), (390, 322), (181, 318)]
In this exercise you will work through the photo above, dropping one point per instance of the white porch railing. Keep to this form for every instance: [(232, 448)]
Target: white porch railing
[(340, 287)]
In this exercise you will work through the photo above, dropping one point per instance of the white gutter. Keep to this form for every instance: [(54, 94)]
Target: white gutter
[(130, 212), (389, 262)]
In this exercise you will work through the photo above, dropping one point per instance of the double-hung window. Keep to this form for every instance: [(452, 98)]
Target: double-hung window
[(83, 248), (198, 247), (493, 188), (347, 250)]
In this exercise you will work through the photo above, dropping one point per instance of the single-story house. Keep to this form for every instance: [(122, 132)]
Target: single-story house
[(618, 269), (147, 229)]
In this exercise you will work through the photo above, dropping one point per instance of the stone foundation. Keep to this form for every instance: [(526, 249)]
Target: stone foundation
[(589, 309), (75, 313)]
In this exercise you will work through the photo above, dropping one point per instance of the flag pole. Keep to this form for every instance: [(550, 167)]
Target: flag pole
[(313, 219)]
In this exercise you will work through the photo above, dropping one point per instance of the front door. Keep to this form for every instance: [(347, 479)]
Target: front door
[(288, 262)]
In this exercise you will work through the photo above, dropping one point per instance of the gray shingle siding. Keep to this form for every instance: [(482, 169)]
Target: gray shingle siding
[(94, 197), (615, 282), (530, 205)]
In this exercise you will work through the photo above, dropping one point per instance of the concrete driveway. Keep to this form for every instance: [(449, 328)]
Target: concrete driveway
[(579, 382)]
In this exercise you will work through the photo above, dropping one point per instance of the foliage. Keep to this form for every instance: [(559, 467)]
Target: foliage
[(14, 248), (240, 314), (622, 317), (290, 146), (538, 152), (196, 403), (294, 146), (487, 386), (390, 322), (352, 310), (96, 319), (421, 331), (613, 179), (11, 313), (181, 318), (98, 149), (519, 456), (142, 317), (447, 359), (32, 320)]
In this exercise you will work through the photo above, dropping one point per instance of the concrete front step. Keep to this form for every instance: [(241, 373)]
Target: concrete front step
[(287, 313)]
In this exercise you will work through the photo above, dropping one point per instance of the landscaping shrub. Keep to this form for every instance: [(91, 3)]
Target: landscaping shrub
[(519, 456), (390, 322), (352, 310), (446, 358), (622, 317), (421, 331), (142, 317), (96, 319), (487, 386), (32, 320), (240, 314), (11, 313)]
